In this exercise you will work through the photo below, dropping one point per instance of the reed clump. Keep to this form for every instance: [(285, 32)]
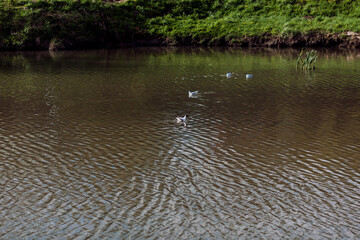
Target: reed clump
[(307, 59)]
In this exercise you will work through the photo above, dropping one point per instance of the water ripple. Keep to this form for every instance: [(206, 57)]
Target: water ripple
[(89, 146)]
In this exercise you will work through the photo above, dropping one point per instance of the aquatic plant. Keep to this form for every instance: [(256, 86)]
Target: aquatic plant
[(307, 61)]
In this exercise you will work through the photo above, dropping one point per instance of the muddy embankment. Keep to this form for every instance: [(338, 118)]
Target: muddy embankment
[(345, 40), (349, 40)]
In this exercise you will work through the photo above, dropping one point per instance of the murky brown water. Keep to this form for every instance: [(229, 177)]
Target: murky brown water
[(89, 146)]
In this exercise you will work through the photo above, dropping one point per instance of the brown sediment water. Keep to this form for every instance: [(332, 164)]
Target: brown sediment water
[(89, 145)]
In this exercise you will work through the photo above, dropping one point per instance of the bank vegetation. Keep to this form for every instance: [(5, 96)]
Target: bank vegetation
[(69, 24)]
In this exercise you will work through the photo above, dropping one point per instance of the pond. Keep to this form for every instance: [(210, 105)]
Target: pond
[(90, 148)]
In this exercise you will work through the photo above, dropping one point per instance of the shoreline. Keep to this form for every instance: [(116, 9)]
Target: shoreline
[(348, 40)]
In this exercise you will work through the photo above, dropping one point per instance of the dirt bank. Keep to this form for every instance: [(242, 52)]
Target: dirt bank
[(348, 40), (345, 40)]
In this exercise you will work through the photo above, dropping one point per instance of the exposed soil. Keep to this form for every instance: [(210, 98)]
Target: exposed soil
[(348, 40), (345, 40)]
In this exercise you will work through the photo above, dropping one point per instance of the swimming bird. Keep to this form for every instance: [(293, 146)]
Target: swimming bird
[(181, 119), (248, 75), (193, 94), (228, 75)]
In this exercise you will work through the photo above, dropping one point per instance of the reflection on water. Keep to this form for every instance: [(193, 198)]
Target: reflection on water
[(89, 145)]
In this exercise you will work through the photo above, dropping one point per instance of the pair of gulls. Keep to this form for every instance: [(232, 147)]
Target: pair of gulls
[(193, 94), (248, 75), (183, 119)]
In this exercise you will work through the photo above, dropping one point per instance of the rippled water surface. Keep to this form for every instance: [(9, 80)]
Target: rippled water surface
[(89, 145)]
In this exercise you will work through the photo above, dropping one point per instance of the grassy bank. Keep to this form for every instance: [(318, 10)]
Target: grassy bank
[(63, 24), (66, 24)]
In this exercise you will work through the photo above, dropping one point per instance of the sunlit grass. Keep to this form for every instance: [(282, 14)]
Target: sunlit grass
[(194, 21)]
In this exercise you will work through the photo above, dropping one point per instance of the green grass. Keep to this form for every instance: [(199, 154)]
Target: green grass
[(86, 23), (27, 24)]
